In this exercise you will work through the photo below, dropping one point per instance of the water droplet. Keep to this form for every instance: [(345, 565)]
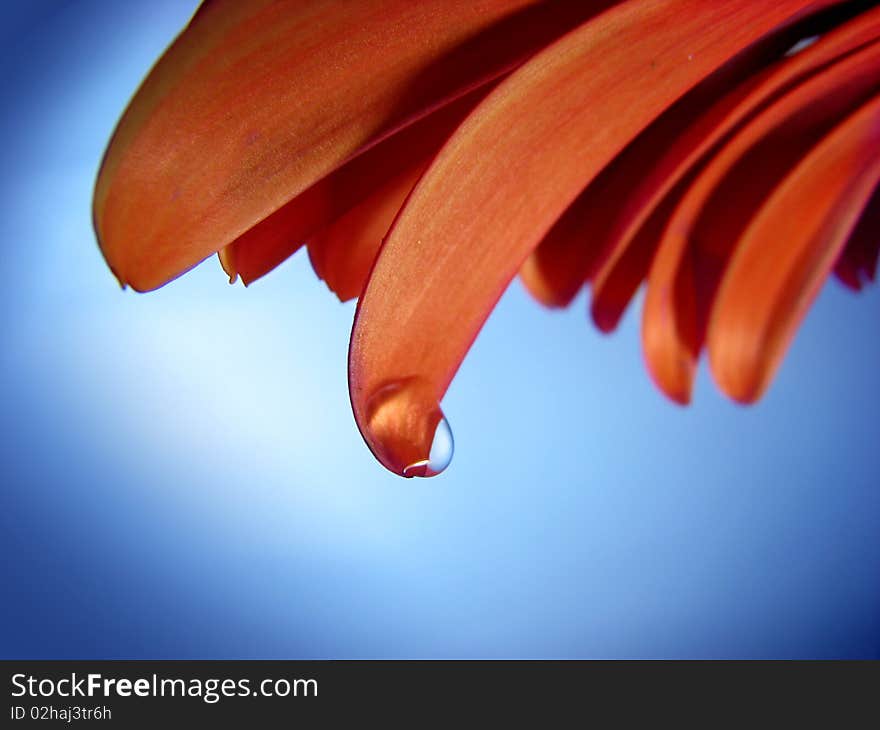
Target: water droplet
[(440, 456), (406, 430)]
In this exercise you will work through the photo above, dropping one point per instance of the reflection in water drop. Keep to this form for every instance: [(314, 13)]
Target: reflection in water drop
[(442, 448), (405, 428)]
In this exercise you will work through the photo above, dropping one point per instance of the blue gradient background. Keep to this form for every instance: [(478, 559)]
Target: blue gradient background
[(182, 477)]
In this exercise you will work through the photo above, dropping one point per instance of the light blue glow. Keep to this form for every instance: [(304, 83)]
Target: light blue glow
[(182, 476)]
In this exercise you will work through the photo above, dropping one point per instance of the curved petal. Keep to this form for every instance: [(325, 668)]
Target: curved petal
[(256, 101), (858, 262), (698, 239), (575, 246), (274, 239), (607, 234), (632, 234), (615, 286), (787, 252), (502, 180), (568, 253), (604, 224), (343, 254)]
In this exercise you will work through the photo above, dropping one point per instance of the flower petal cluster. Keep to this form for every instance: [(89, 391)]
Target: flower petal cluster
[(724, 154)]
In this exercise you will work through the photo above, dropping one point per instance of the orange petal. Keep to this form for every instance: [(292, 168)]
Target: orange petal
[(858, 262), (600, 226), (575, 246), (344, 252), (787, 252), (669, 159), (568, 253), (256, 101), (500, 183), (281, 234), (718, 206), (485, 58), (614, 286)]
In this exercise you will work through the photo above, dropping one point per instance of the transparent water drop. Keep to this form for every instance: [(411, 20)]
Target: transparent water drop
[(405, 428), (440, 455)]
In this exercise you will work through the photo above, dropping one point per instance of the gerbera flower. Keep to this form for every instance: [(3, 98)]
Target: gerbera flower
[(427, 152)]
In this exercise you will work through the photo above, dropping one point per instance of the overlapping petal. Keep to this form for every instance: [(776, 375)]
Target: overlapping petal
[(608, 235), (781, 260), (274, 239), (635, 232), (858, 262), (504, 178), (343, 254), (711, 216), (257, 101), (426, 152)]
